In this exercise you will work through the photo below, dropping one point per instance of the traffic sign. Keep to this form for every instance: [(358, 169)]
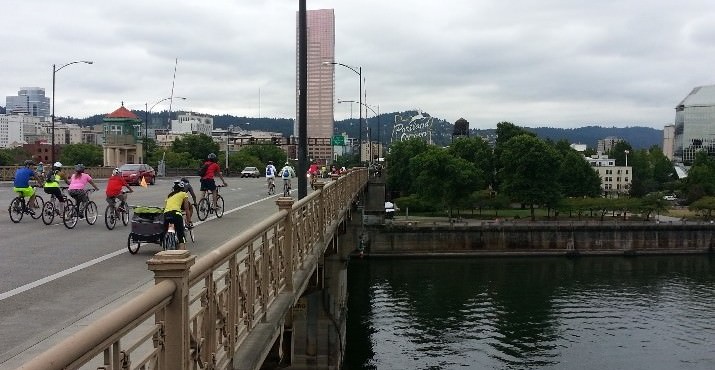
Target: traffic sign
[(338, 140)]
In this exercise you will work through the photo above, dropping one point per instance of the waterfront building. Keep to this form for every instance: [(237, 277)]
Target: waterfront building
[(321, 82), (695, 124), (29, 100), (192, 123), (615, 180), (668, 141), (606, 144)]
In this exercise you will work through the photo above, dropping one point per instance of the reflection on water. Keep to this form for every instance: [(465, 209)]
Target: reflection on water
[(532, 313)]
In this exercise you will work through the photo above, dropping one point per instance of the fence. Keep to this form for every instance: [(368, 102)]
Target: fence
[(200, 311), (7, 173)]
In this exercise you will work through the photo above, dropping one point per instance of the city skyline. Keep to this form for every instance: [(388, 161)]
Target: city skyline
[(561, 64)]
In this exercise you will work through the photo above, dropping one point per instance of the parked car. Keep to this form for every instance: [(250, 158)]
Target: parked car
[(251, 172), (133, 173), (670, 197)]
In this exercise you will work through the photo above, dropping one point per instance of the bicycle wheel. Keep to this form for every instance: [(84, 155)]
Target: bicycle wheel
[(16, 209), (286, 190), (133, 248), (124, 213), (170, 241), (219, 206), (202, 211), (110, 217), (71, 215), (36, 212), (90, 212), (48, 212), (190, 231)]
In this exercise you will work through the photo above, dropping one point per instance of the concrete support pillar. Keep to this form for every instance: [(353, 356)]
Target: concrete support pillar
[(286, 204), (174, 265)]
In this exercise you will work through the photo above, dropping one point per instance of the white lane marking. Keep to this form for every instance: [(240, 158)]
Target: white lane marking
[(97, 260)]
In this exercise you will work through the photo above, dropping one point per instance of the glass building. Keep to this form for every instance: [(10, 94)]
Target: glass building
[(695, 124), (29, 100)]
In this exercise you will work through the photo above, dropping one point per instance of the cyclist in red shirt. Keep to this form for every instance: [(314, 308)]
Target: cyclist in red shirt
[(207, 180), (115, 184)]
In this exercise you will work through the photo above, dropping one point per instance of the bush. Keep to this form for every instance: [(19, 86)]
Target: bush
[(414, 204)]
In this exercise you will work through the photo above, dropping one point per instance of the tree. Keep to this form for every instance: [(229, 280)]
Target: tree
[(704, 206), (576, 177), (477, 151), (527, 172), (243, 158), (444, 179), (701, 177), (198, 146), (265, 153), (5, 158), (400, 177), (179, 160), (87, 154)]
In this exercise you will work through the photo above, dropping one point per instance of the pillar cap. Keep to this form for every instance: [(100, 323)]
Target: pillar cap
[(171, 260), (285, 202)]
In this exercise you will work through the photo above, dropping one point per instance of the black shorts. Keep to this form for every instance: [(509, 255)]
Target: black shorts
[(177, 219), (208, 184), (56, 192)]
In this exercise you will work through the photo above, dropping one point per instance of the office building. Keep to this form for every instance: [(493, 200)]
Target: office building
[(695, 125), (605, 145), (29, 100), (192, 123), (615, 180), (321, 84), (668, 141)]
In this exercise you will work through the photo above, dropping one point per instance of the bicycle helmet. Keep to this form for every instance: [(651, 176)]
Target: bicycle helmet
[(270, 162), (57, 165), (116, 172), (79, 167), (212, 156), (184, 180), (178, 185)]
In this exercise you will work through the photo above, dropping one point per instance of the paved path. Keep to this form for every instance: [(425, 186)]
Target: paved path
[(55, 280)]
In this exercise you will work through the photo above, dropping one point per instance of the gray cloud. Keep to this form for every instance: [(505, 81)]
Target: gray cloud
[(563, 63)]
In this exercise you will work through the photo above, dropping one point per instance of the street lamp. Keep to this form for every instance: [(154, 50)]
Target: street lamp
[(379, 127), (626, 151), (358, 71), (54, 72), (147, 112)]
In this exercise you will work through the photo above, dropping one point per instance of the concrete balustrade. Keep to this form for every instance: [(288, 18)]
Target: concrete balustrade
[(206, 312)]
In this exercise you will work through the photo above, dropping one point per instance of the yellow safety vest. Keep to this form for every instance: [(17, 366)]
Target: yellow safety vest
[(54, 183)]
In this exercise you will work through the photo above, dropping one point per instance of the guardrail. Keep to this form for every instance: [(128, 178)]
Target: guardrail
[(7, 173), (200, 311)]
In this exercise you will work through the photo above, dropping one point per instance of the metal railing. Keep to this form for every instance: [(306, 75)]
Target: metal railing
[(200, 311)]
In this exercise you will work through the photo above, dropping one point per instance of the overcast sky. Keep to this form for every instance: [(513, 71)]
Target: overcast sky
[(559, 63)]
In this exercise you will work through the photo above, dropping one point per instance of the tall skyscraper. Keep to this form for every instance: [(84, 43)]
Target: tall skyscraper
[(321, 84), (30, 101)]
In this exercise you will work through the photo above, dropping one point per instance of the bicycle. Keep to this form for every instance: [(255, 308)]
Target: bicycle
[(19, 207), (286, 189), (205, 208), (271, 186), (171, 241), (51, 207), (73, 212), (112, 213)]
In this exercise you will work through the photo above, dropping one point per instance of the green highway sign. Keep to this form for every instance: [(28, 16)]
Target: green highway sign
[(338, 140)]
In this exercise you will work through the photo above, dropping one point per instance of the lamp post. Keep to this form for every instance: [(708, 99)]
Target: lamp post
[(147, 113), (358, 71), (377, 114), (626, 151), (54, 72)]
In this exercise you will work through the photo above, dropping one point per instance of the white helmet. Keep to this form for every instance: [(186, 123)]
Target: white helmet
[(57, 165), (116, 171)]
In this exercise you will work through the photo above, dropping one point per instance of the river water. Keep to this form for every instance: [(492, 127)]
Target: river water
[(532, 313)]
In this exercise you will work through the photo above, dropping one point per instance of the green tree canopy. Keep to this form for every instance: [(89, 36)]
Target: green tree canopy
[(527, 173), (701, 177), (476, 151), (399, 175), (265, 153), (198, 146), (576, 176), (87, 154)]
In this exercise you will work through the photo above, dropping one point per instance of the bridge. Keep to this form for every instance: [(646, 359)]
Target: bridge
[(227, 309)]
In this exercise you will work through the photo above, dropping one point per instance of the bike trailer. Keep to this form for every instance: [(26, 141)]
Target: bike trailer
[(147, 221)]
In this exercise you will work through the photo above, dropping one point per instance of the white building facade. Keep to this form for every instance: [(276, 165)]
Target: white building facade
[(614, 179), (192, 123)]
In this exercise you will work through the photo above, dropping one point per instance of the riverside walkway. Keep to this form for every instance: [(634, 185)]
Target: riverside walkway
[(202, 310)]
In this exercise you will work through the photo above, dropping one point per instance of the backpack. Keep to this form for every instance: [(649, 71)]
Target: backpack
[(50, 176), (203, 169), (269, 171), (286, 173)]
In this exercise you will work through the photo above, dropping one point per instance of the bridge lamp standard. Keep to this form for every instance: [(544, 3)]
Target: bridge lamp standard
[(147, 113), (358, 71), (54, 72), (379, 127)]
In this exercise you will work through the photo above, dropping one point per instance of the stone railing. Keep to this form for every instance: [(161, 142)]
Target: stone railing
[(200, 311)]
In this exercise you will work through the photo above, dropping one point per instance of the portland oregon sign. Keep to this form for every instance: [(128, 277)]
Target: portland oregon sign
[(415, 126)]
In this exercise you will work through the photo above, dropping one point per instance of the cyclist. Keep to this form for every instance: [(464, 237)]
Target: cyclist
[(270, 174), (207, 180), (177, 200), (189, 190), (286, 173), (78, 180), (313, 172), (52, 183), (115, 185), (22, 184)]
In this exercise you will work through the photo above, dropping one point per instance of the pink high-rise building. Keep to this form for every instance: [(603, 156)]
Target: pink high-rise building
[(321, 84)]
